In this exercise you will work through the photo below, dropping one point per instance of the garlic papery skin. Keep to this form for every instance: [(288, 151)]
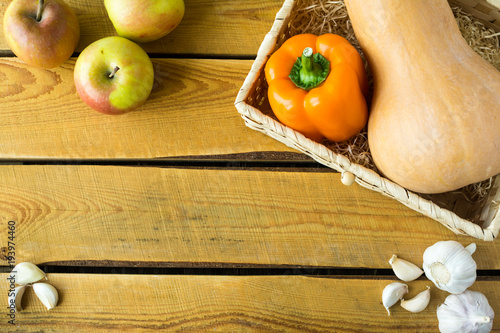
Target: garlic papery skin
[(27, 272), (450, 266), (468, 312), (405, 270), (417, 303), (16, 296), (392, 294), (47, 294)]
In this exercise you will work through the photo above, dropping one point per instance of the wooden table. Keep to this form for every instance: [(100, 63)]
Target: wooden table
[(178, 217)]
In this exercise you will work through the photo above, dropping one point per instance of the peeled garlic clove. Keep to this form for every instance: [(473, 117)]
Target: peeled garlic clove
[(465, 312), (392, 294), (405, 270), (16, 296), (47, 294), (417, 303), (27, 272), (347, 178), (450, 266)]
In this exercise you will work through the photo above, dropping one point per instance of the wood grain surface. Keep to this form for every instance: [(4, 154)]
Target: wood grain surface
[(139, 303), (190, 112), (198, 217), (223, 27), (131, 207)]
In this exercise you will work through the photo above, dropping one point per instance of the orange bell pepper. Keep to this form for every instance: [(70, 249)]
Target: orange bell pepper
[(318, 86)]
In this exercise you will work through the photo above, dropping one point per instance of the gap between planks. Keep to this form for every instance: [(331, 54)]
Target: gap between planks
[(215, 269)]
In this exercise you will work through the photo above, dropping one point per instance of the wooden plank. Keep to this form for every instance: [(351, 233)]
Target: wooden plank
[(133, 216), (138, 303), (222, 27), (190, 112)]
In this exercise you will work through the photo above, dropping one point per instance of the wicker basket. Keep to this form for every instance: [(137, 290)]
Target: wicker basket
[(480, 220)]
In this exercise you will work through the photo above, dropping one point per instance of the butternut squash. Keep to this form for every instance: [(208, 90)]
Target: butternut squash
[(434, 122)]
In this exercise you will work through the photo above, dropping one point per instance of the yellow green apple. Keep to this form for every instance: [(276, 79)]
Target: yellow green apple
[(41, 33), (114, 75), (144, 20)]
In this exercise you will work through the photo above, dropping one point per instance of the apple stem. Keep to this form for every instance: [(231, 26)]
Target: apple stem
[(39, 11), (114, 71)]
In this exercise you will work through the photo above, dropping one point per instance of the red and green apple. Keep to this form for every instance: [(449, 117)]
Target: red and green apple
[(114, 75), (41, 33), (144, 20)]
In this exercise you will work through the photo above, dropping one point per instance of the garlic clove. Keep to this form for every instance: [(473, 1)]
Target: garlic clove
[(47, 294), (16, 296), (450, 266), (465, 312), (347, 178), (417, 303), (405, 270), (27, 272), (471, 248), (392, 293)]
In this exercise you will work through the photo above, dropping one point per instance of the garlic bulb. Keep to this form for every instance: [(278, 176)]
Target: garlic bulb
[(47, 294), (392, 294), (468, 312), (450, 266), (405, 270), (27, 272), (417, 303)]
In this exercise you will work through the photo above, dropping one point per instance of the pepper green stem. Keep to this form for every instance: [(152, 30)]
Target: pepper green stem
[(310, 70), (307, 60), (39, 11)]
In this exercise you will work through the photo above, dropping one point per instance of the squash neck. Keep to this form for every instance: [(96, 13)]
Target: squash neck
[(415, 23)]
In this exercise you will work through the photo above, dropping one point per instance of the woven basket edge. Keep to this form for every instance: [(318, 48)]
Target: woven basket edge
[(265, 50), (371, 180), (365, 177), (495, 4), (487, 13), (428, 208)]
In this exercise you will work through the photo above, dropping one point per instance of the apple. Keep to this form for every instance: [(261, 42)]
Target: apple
[(41, 33), (114, 75), (144, 20)]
